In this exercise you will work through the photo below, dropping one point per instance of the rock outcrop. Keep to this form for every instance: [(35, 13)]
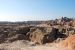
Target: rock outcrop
[(44, 35)]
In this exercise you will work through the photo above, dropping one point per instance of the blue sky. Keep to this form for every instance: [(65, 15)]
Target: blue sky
[(24, 10)]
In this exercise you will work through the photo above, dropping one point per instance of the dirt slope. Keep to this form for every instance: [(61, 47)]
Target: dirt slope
[(69, 42)]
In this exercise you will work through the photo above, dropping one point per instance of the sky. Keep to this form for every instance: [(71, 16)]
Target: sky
[(25, 10)]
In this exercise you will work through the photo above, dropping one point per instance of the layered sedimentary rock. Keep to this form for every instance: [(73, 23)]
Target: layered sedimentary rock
[(42, 35)]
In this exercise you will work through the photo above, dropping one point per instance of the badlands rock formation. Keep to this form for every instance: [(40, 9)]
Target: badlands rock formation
[(38, 33)]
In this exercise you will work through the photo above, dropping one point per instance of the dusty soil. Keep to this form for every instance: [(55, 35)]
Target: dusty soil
[(25, 45)]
